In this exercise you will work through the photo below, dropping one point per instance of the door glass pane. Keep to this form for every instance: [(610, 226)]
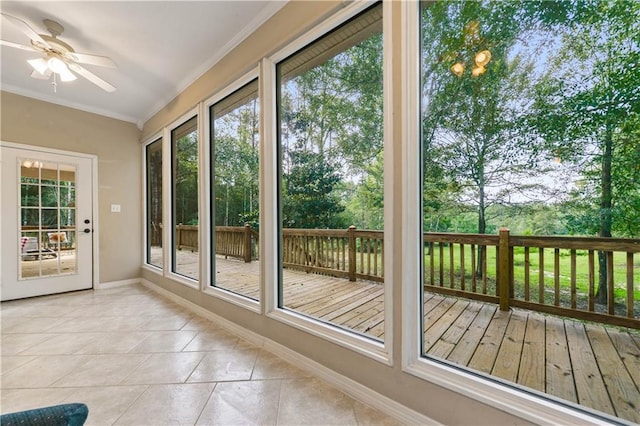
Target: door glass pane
[(67, 196), (29, 195), (49, 196), (47, 219)]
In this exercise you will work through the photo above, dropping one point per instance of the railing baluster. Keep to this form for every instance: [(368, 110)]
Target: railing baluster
[(451, 267), (484, 269), (462, 267), (473, 268), (541, 275), (441, 271), (610, 281), (591, 282), (556, 277), (630, 285), (375, 256), (574, 295), (432, 266), (527, 265)]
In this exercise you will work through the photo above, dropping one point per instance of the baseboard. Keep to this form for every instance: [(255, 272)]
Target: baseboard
[(344, 384), (114, 284)]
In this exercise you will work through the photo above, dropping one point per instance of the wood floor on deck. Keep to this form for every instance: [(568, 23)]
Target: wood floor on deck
[(587, 363)]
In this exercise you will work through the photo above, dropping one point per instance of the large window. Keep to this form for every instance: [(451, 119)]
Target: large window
[(329, 97), (184, 199), (153, 154), (529, 124), (234, 192)]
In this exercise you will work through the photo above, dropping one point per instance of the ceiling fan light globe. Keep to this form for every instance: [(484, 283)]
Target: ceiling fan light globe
[(40, 65), (67, 76), (57, 65)]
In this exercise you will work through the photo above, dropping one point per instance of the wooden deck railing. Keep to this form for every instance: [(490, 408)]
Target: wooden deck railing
[(557, 275), (236, 241), (348, 253), (230, 241)]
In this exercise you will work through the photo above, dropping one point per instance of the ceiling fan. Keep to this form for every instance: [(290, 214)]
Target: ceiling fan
[(59, 59)]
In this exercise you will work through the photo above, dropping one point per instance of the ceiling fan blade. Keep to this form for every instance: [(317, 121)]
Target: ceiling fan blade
[(84, 58), (25, 28), (92, 78), (40, 76), (18, 46)]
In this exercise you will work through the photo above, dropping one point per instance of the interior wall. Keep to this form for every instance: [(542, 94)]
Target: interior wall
[(433, 401), (116, 144)]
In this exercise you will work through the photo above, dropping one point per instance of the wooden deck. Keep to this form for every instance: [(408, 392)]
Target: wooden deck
[(587, 363)]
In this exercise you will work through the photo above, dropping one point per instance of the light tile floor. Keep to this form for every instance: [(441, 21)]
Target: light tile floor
[(136, 358)]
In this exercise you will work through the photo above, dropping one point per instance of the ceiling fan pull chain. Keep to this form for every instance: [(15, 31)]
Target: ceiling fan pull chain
[(54, 84)]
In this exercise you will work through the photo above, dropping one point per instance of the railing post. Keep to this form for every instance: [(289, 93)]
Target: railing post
[(352, 253), (503, 268), (179, 235), (247, 243)]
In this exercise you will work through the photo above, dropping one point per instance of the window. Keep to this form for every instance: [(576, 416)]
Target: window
[(184, 223), (235, 208), (153, 154), (330, 115), (527, 118)]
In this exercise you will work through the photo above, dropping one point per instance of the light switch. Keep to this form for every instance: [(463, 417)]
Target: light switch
[(115, 208)]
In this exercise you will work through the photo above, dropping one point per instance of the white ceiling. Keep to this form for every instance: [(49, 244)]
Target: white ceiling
[(159, 47)]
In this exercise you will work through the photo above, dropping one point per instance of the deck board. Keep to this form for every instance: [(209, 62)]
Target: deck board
[(532, 364), (560, 380), (623, 392), (596, 366), (507, 362), (590, 386), (629, 353), (485, 355), (454, 334)]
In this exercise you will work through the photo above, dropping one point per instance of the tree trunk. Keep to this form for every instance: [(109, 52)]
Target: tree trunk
[(605, 213), (482, 224)]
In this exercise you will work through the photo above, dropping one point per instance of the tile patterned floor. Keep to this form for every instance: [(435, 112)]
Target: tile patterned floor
[(136, 358)]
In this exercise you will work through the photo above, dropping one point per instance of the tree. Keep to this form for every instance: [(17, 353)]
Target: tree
[(331, 116), (186, 180), (236, 165), (587, 111), (310, 201), (474, 77)]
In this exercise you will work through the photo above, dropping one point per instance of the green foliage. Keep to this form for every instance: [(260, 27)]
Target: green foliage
[(186, 179), (309, 200), (331, 141), (236, 166)]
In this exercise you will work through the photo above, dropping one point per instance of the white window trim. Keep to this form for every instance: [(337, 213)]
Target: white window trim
[(527, 405), (379, 351), (145, 201), (219, 292), (167, 183)]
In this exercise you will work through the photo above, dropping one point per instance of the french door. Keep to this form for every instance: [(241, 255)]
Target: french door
[(46, 224)]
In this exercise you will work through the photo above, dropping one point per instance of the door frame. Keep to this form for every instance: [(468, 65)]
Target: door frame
[(94, 197)]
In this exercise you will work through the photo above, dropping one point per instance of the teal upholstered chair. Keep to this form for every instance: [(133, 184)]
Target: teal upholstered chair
[(59, 415)]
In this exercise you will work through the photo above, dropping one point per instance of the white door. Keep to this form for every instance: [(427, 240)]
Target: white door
[(46, 222)]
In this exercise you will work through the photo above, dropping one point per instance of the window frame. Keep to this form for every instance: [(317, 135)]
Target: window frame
[(270, 229), (168, 236), (158, 137), (207, 283), (527, 404)]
